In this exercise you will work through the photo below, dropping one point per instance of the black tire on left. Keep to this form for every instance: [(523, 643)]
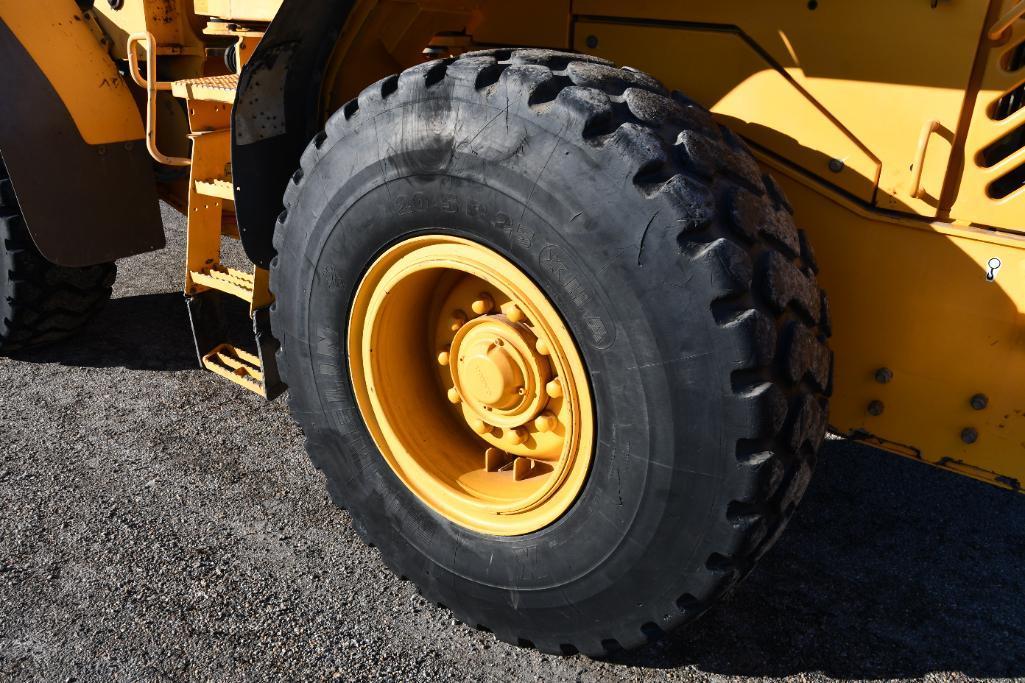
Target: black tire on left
[(41, 302)]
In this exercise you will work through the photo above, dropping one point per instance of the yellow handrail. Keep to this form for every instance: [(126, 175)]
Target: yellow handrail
[(923, 147), (152, 86)]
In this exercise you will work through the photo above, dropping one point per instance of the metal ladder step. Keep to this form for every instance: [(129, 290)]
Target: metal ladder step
[(221, 188), (257, 371), (241, 367), (227, 280), (207, 89)]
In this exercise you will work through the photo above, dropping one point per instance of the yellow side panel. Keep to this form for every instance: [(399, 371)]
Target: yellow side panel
[(544, 23), (59, 40), (916, 299), (746, 92), (243, 10), (883, 69)]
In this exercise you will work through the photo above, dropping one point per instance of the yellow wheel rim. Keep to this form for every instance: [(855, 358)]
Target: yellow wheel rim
[(471, 385)]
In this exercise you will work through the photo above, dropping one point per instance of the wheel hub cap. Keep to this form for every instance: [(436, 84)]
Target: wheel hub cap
[(498, 372)]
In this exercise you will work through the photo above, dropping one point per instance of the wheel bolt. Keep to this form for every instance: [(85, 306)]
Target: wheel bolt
[(443, 358), (513, 312), (545, 422), (483, 304), (542, 347), (458, 320), (453, 396), (517, 435), (481, 427), (554, 388)]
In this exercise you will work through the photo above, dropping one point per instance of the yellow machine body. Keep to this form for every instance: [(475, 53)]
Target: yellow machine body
[(68, 49), (893, 127)]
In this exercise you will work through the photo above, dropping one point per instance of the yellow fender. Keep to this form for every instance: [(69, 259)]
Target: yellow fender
[(72, 137)]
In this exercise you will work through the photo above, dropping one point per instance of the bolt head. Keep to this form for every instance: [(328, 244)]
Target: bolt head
[(884, 375), (836, 165), (458, 320), (483, 304), (513, 312), (518, 435), (969, 435), (979, 401), (875, 408), (545, 422)]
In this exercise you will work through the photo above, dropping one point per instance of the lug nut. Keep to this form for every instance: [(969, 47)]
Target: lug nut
[(517, 435), (483, 304), (443, 358), (542, 347), (545, 422), (481, 427), (453, 396), (554, 388), (513, 312), (458, 320)]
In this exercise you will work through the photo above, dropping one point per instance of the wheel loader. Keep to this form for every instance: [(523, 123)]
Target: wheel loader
[(545, 279)]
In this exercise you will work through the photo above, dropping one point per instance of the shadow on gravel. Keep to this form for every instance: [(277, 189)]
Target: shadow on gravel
[(144, 332), (890, 569)]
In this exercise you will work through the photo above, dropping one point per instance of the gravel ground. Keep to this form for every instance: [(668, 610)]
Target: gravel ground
[(159, 523)]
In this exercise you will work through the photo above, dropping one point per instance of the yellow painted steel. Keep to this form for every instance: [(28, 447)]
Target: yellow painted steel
[(490, 423), (878, 71), (999, 73), (60, 39), (929, 350), (240, 10)]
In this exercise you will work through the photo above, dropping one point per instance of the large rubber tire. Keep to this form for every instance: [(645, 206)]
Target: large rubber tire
[(675, 263), (41, 302)]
